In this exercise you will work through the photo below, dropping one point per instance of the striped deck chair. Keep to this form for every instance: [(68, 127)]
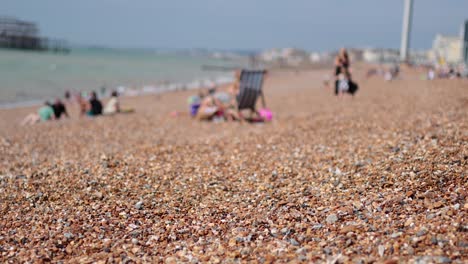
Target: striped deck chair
[(250, 88)]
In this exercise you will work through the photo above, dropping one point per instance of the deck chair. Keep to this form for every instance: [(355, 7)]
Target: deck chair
[(250, 88)]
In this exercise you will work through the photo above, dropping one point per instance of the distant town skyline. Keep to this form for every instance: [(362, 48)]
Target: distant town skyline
[(243, 24)]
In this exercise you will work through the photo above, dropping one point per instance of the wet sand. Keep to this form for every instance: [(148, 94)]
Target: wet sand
[(381, 176)]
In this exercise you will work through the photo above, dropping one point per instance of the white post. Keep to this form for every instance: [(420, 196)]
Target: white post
[(406, 32), (465, 42)]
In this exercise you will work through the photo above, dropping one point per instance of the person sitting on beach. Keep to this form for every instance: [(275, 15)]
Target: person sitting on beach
[(234, 88), (214, 106), (431, 74), (44, 113), (209, 107), (194, 102), (113, 106), (67, 95), (82, 103), (392, 73), (228, 105), (230, 102), (59, 109), (223, 104), (232, 112), (95, 106)]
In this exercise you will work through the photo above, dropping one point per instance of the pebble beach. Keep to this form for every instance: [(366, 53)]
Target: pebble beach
[(381, 177)]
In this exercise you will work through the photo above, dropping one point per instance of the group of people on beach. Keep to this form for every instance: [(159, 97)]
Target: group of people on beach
[(91, 107), (445, 72), (215, 105), (428, 72), (221, 105), (389, 73), (49, 111)]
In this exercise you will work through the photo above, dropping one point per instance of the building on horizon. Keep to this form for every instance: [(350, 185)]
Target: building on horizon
[(372, 55), (355, 54), (447, 49), (285, 56)]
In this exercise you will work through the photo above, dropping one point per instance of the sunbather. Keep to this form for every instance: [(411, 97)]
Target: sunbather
[(209, 107), (242, 95), (59, 109), (113, 105), (44, 113), (82, 103), (95, 105), (229, 105)]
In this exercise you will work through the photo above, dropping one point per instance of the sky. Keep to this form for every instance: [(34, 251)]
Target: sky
[(239, 24)]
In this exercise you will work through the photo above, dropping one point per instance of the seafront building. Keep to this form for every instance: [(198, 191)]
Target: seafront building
[(421, 57), (447, 49), (381, 55), (356, 54), (294, 57), (289, 56)]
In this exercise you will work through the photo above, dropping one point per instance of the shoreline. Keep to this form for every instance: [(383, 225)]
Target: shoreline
[(131, 92)]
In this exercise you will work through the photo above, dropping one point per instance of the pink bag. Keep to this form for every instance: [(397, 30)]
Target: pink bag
[(266, 114)]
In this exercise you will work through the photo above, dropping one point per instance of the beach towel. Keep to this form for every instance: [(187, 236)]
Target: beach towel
[(265, 114)]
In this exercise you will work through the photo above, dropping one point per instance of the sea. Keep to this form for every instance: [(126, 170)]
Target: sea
[(29, 78)]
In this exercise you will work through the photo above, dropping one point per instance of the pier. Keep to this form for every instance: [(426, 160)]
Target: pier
[(24, 35)]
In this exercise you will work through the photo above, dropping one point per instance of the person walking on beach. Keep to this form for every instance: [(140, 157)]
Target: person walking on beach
[(342, 64), (343, 82)]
